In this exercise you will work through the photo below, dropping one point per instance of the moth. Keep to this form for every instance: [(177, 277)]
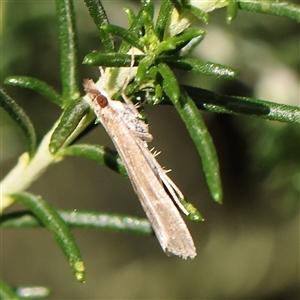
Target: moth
[(156, 191)]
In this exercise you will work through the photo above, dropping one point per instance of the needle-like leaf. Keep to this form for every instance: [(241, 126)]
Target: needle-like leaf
[(99, 16), (100, 154), (21, 119), (68, 123), (37, 85), (49, 217)]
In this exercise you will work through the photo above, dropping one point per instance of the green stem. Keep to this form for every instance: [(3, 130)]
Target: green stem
[(26, 171)]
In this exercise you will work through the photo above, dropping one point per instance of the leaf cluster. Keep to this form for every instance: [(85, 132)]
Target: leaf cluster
[(158, 46)]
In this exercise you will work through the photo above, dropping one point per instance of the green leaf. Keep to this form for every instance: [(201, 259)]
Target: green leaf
[(7, 293), (201, 67), (203, 141), (130, 15), (200, 14), (37, 85), (137, 25), (21, 119), (81, 219), (276, 8), (149, 39), (68, 123), (68, 49), (124, 34), (218, 103), (179, 41), (111, 59), (103, 155), (163, 17), (115, 222), (19, 219), (149, 8), (158, 94), (170, 84), (232, 10), (97, 12), (189, 48), (54, 223), (143, 67)]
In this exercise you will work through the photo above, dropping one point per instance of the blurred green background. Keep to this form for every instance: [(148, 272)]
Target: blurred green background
[(247, 248)]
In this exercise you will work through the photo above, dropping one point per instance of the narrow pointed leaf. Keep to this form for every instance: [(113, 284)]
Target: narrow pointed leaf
[(124, 34), (189, 48), (103, 155), (131, 17), (110, 59), (37, 85), (154, 94), (179, 41), (210, 101), (200, 14), (68, 123), (201, 67), (21, 119), (81, 219), (68, 49), (54, 223), (170, 84), (97, 12), (232, 10), (203, 141), (115, 222), (143, 67), (148, 27), (149, 8), (163, 17), (136, 26), (276, 8)]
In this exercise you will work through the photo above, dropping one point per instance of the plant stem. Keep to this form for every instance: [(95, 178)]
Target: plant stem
[(26, 171)]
